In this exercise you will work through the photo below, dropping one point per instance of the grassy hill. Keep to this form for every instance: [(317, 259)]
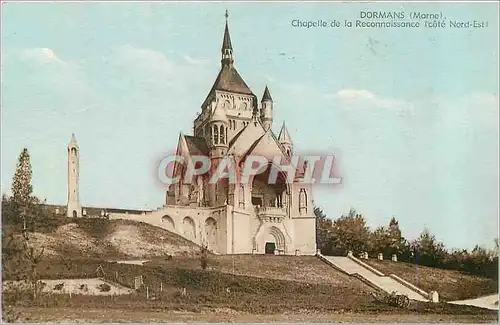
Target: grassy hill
[(307, 269), (450, 284), (104, 239), (214, 291)]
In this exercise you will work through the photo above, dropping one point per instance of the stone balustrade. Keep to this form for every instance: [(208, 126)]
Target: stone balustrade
[(271, 211)]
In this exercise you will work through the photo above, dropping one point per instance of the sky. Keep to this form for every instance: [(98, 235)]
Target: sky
[(411, 114)]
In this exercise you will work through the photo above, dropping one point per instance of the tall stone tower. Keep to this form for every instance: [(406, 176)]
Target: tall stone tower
[(74, 208)]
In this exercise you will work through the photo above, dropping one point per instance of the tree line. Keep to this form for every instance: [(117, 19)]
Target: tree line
[(351, 233)]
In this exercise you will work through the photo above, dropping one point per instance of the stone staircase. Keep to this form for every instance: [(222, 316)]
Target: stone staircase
[(377, 279)]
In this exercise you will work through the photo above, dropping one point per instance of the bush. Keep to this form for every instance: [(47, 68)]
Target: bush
[(104, 287), (204, 257), (59, 286)]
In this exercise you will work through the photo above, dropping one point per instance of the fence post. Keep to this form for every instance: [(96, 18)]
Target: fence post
[(147, 292), (161, 286)]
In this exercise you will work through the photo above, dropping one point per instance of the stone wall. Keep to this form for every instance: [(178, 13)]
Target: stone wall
[(305, 235)]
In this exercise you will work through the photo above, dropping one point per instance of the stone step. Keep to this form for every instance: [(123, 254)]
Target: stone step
[(385, 283)]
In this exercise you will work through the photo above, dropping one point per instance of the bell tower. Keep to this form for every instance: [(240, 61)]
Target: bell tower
[(74, 209)]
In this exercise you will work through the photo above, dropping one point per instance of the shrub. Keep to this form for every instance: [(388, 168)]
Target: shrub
[(204, 257), (104, 287), (59, 286)]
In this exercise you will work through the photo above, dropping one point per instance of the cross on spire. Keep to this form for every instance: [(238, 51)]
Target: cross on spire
[(226, 15)]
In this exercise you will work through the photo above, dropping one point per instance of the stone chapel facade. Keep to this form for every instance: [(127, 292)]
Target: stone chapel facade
[(254, 217)]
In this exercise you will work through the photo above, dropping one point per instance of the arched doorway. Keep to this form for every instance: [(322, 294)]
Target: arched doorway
[(211, 233), (75, 214), (168, 223), (188, 228), (274, 240)]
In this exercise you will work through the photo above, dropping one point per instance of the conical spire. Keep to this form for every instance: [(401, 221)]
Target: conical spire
[(72, 142), (267, 95), (284, 136), (227, 47), (226, 43), (219, 115)]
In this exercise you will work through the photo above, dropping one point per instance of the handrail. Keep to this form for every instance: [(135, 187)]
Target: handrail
[(409, 285), (363, 264)]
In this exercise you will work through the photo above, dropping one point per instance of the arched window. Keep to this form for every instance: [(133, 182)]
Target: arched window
[(222, 133), (216, 135)]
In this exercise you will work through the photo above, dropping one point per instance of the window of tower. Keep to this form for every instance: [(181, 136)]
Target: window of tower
[(216, 135), (73, 151), (227, 104), (222, 137)]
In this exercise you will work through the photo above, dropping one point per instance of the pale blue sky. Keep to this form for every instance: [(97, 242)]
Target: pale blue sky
[(412, 114)]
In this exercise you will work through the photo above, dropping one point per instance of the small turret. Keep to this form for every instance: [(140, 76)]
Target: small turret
[(217, 135), (285, 139), (266, 110)]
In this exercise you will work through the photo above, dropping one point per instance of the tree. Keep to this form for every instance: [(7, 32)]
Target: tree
[(429, 251), (350, 233), (22, 189), (380, 241), (323, 231), (396, 240)]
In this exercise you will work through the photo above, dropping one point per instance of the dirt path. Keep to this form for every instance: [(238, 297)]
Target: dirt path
[(133, 262), (488, 302), (87, 315)]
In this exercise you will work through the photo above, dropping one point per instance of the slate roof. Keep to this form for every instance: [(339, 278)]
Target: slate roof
[(226, 42), (267, 95), (230, 80), (196, 145)]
